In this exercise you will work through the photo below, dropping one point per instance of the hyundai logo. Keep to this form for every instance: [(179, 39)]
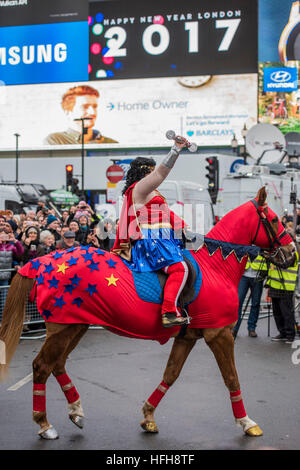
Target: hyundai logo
[(280, 76)]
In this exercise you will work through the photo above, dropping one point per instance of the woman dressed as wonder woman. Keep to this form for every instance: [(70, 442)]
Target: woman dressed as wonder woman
[(148, 230)]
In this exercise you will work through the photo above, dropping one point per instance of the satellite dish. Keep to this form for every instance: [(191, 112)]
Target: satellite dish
[(292, 140), (265, 143)]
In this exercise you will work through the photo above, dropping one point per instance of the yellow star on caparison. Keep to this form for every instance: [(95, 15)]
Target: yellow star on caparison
[(62, 268), (112, 280)]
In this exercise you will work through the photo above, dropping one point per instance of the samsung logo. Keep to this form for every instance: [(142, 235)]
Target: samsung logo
[(280, 76), (30, 54)]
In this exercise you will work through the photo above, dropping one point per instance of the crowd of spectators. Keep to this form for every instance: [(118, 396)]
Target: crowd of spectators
[(36, 233)]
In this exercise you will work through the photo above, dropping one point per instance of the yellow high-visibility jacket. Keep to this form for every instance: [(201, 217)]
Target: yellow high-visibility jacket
[(283, 279), (258, 264)]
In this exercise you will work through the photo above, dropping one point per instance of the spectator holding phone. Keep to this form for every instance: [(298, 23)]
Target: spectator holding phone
[(31, 244), (11, 251)]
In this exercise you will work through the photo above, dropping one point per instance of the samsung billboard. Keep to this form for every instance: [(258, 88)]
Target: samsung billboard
[(45, 44)]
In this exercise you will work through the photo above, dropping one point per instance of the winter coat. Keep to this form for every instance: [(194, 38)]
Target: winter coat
[(9, 253)]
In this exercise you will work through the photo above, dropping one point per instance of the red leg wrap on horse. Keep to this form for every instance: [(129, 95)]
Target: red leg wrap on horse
[(177, 276), (68, 388), (39, 397), (237, 404), (158, 394)]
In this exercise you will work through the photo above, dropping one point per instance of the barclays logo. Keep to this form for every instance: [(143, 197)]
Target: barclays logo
[(280, 76)]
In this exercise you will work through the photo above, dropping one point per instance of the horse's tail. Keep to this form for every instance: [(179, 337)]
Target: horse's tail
[(12, 320)]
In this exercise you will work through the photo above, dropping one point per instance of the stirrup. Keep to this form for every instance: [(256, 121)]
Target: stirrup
[(185, 315), (170, 319)]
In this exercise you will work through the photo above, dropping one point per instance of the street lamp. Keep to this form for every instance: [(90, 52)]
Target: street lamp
[(242, 149), (234, 143), (244, 133), (17, 157), (83, 132)]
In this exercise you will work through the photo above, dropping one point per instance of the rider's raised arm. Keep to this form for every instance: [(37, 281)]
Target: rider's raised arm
[(151, 182)]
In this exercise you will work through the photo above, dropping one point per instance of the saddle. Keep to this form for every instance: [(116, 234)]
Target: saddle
[(149, 286)]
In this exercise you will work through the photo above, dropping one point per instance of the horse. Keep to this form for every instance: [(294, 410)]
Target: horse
[(72, 294)]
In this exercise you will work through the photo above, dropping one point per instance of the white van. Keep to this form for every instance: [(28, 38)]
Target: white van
[(10, 199), (19, 197), (240, 187), (190, 201)]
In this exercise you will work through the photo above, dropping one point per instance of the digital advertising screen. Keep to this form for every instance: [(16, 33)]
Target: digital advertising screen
[(279, 95), (135, 39), (279, 31), (207, 110), (43, 41)]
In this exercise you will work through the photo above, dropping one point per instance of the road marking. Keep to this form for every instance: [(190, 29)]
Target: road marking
[(20, 384)]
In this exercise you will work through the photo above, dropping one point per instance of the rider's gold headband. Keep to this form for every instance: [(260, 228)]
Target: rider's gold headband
[(148, 167)]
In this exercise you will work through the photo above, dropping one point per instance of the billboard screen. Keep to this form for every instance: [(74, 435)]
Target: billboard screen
[(279, 30), (43, 42), (135, 39), (128, 113), (279, 96)]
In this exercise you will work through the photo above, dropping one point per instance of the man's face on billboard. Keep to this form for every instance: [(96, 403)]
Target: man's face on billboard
[(85, 106)]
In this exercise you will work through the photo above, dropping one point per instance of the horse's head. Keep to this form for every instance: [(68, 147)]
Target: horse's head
[(271, 236)]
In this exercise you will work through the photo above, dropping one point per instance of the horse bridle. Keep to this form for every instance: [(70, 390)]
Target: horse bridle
[(273, 251)]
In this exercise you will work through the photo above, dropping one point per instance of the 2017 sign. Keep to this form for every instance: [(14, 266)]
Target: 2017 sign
[(138, 40)]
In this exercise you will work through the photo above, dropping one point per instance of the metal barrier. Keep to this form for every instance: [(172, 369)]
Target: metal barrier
[(32, 317), (34, 324)]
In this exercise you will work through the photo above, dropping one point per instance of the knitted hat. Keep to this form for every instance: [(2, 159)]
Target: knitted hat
[(51, 218), (13, 224)]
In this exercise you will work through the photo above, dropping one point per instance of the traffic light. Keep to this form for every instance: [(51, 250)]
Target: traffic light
[(69, 177), (213, 177), (75, 187)]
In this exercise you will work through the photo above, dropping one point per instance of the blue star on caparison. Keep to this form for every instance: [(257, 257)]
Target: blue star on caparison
[(47, 314), (48, 268), (57, 255), (72, 261), (75, 279), (92, 289), (69, 250), (100, 252), (69, 288), (78, 301), (111, 263), (40, 280), (93, 266), (35, 264), (85, 248), (53, 282), (88, 257), (59, 302)]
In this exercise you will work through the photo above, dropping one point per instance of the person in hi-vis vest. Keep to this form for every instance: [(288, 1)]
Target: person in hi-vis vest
[(282, 284), (250, 281)]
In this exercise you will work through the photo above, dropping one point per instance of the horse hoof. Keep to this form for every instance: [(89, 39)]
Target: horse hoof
[(254, 431), (78, 420), (49, 434), (149, 426)]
